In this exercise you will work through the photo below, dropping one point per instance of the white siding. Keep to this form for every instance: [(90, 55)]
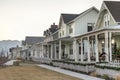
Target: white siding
[(63, 29), (81, 23)]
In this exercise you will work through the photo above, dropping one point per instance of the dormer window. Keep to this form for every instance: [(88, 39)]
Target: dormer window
[(90, 26), (106, 20)]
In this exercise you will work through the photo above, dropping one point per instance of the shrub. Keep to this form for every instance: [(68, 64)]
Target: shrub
[(98, 75), (16, 63), (105, 76), (51, 64), (94, 74), (18, 58), (74, 63), (108, 67), (23, 60)]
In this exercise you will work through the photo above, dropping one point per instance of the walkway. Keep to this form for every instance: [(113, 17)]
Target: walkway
[(10, 62), (70, 73)]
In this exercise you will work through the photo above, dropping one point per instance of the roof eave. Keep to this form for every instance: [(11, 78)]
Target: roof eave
[(109, 12), (84, 12)]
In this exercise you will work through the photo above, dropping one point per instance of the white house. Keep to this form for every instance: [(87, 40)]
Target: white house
[(91, 36), (103, 40), (50, 34), (15, 52), (72, 25), (30, 47)]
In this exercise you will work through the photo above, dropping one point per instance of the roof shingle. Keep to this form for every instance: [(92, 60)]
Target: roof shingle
[(32, 40), (69, 17), (114, 8)]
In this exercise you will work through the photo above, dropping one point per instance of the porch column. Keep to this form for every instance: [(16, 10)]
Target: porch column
[(42, 52), (88, 50), (81, 50), (92, 47), (110, 44), (55, 50), (96, 48), (51, 51), (59, 49), (106, 46), (76, 51), (48, 54)]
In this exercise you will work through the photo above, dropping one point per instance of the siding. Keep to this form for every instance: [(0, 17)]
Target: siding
[(63, 28), (81, 23), (55, 36), (112, 23)]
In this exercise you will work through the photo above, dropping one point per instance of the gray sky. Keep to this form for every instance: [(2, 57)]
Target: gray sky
[(20, 18)]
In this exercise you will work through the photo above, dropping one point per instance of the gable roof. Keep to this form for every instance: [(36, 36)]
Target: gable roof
[(68, 17), (86, 11), (32, 40), (114, 8)]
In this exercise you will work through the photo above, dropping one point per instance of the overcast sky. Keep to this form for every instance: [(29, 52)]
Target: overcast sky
[(20, 18)]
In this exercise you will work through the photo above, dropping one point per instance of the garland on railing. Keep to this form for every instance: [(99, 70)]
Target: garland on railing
[(74, 63), (107, 67), (101, 62)]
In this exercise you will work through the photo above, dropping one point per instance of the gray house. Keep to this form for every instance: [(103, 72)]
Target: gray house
[(28, 51)]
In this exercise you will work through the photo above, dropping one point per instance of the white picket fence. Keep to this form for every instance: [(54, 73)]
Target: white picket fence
[(110, 72), (42, 60), (115, 62), (86, 69)]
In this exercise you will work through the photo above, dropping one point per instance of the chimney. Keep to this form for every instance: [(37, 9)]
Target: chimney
[(54, 23)]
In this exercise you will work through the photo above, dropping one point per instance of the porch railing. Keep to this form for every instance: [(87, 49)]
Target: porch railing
[(116, 62)]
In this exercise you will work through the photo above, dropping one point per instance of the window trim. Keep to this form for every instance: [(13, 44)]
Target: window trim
[(106, 20), (90, 26), (70, 29)]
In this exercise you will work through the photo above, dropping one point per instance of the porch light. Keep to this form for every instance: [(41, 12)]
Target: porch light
[(113, 41), (103, 42)]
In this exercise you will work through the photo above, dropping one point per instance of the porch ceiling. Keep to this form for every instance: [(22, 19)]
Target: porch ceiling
[(67, 39), (116, 34), (24, 50)]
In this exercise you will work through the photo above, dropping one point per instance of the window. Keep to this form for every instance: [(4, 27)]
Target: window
[(70, 29), (71, 49), (106, 20), (57, 49), (90, 26), (62, 32), (29, 54), (33, 52), (79, 49)]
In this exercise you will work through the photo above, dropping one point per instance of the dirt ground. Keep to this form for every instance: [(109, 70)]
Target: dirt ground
[(28, 72)]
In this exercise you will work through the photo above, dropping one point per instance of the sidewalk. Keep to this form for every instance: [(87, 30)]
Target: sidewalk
[(10, 62), (70, 73)]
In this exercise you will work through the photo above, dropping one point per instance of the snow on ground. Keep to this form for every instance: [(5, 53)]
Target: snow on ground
[(10, 62), (70, 73)]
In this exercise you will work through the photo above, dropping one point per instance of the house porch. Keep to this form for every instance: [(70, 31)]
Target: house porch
[(97, 46)]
